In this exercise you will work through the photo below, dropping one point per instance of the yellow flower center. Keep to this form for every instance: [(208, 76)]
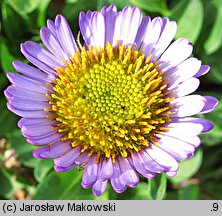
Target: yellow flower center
[(110, 101)]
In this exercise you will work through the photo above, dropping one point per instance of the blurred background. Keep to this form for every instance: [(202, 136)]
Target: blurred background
[(25, 177)]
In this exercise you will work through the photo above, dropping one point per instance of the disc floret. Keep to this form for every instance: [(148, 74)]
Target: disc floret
[(110, 101)]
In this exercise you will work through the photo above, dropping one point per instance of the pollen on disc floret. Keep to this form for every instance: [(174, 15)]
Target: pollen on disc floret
[(110, 101)]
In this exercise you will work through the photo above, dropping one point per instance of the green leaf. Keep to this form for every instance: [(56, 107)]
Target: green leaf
[(14, 25), (157, 187), (214, 41), (42, 168), (140, 192), (71, 1), (189, 192), (24, 6), (188, 168), (22, 148), (158, 6), (62, 186), (8, 184), (8, 120), (189, 15), (119, 4), (6, 57), (42, 6)]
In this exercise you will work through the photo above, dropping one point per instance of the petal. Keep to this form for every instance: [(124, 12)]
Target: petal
[(52, 151), (129, 175), (30, 121), (171, 173), (106, 171), (191, 140), (64, 169), (36, 51), (129, 25), (68, 158), (178, 149), (65, 36), (27, 83), (52, 44), (28, 104), (177, 52), (46, 140), (51, 27), (210, 105), (37, 130), (32, 72), (152, 36), (139, 166), (85, 29), (182, 72), (83, 158), (110, 19), (117, 29), (28, 114), (203, 70), (117, 180), (142, 31), (90, 172), (162, 158), (15, 92), (168, 31), (206, 124), (99, 187), (149, 163), (98, 29), (41, 65), (185, 88), (187, 105), (184, 128)]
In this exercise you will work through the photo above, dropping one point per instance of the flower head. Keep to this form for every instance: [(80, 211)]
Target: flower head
[(119, 105)]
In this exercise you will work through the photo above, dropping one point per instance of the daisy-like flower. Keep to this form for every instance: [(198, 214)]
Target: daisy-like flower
[(119, 105)]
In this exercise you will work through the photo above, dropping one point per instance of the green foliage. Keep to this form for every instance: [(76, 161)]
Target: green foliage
[(62, 186), (214, 41), (198, 178), (189, 17), (189, 192), (157, 187), (159, 6)]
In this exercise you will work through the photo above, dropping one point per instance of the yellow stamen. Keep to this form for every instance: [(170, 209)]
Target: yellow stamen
[(109, 101)]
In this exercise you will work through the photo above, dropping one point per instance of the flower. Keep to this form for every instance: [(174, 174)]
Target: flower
[(119, 105)]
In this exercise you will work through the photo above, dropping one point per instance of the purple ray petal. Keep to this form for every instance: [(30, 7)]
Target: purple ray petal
[(52, 151), (32, 72), (68, 158), (117, 180), (180, 49), (175, 147), (65, 36), (106, 171), (23, 94), (188, 105), (41, 65), (99, 187), (210, 105), (129, 175), (64, 169), (27, 83), (91, 172), (203, 70), (139, 166), (51, 42)]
